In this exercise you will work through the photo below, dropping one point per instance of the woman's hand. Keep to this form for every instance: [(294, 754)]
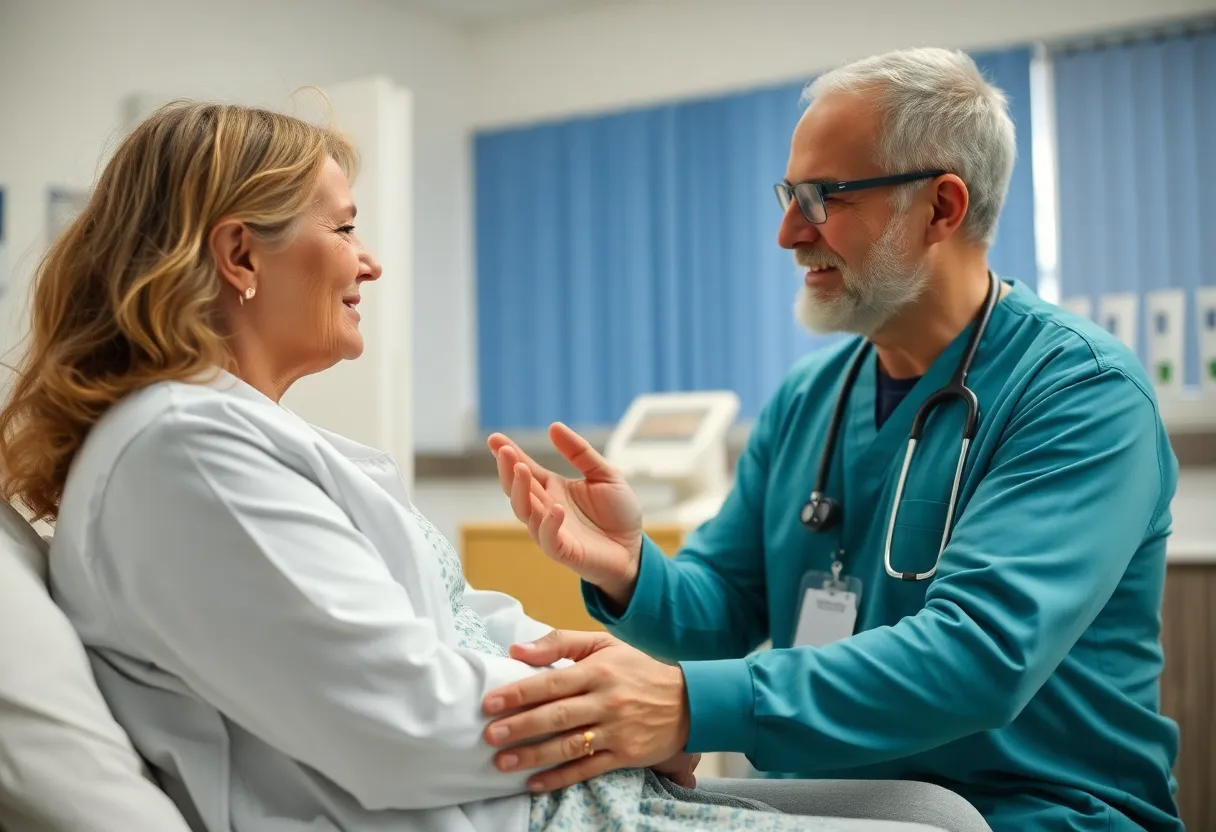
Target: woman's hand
[(592, 525), (614, 708)]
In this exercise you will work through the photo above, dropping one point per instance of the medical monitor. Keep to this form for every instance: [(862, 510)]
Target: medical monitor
[(659, 425), (674, 437)]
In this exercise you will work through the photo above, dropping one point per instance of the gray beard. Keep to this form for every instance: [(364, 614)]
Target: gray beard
[(872, 294)]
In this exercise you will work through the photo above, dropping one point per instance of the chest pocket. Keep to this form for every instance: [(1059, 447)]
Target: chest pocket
[(918, 535)]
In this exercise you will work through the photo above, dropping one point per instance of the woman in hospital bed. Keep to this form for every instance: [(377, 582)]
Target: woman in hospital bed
[(289, 643)]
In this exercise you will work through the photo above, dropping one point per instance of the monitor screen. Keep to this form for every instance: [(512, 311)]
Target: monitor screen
[(669, 425)]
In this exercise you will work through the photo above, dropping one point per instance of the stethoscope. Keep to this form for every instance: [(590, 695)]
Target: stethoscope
[(822, 512)]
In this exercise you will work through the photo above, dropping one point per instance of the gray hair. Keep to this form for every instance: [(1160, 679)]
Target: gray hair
[(938, 111)]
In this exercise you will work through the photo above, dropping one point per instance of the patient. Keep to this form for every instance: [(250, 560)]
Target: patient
[(289, 643)]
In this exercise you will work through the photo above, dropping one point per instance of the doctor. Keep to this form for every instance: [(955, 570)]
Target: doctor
[(978, 608)]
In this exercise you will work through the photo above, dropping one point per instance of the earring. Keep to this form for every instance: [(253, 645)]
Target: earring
[(248, 295)]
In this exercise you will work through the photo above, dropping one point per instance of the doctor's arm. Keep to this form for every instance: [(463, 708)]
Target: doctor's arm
[(1036, 555), (710, 600), (240, 576)]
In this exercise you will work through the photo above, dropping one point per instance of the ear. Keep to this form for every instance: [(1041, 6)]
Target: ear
[(231, 247), (949, 203)]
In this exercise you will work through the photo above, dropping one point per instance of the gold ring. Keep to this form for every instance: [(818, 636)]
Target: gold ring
[(588, 736)]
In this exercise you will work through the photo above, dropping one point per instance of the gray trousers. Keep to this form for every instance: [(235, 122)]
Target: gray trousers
[(901, 801)]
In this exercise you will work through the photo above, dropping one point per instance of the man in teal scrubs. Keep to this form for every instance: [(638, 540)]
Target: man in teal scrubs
[(1023, 674)]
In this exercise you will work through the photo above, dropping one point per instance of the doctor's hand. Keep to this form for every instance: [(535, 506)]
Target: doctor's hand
[(634, 708), (680, 769), (592, 525)]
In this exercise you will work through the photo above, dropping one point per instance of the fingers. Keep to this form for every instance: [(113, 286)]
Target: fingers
[(680, 769), (570, 745), (524, 501), (580, 453), (526, 492), (684, 778), (560, 644), (688, 781), (579, 771), (508, 461), (499, 443), (538, 653), (505, 459), (548, 725), (528, 499), (537, 690), (548, 535)]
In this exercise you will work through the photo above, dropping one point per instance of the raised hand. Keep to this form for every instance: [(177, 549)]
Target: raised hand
[(592, 525)]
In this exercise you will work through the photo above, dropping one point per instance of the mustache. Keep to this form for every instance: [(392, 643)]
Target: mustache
[(809, 258)]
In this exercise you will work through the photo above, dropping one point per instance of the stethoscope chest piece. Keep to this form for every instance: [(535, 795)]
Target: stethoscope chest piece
[(819, 512)]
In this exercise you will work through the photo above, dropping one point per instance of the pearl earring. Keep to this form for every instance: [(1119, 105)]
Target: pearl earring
[(248, 295)]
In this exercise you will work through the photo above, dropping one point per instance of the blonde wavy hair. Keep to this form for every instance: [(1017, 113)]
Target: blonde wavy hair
[(128, 296)]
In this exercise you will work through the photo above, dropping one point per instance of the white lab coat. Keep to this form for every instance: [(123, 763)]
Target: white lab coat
[(266, 619)]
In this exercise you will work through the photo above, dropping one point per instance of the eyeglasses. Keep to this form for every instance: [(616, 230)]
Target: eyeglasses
[(812, 196)]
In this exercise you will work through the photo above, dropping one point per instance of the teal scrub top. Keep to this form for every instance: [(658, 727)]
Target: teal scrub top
[(1024, 675)]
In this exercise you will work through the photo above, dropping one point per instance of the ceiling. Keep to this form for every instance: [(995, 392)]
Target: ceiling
[(486, 12)]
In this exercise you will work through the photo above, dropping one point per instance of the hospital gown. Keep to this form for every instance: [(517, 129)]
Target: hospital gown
[(628, 799)]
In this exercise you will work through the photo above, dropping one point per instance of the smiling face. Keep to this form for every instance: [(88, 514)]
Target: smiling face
[(304, 316), (309, 290), (861, 265)]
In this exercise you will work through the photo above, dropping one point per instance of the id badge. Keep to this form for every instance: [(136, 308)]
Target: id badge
[(829, 608)]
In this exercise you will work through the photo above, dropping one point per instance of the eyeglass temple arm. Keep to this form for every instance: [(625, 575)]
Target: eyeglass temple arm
[(877, 182)]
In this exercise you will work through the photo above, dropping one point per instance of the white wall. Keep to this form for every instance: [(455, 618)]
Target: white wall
[(66, 66), (371, 400), (626, 54)]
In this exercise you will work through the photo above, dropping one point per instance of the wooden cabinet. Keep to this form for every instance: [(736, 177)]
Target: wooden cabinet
[(1188, 686), (501, 556)]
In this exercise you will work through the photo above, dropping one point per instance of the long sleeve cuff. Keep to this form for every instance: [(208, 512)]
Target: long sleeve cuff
[(721, 706), (647, 595)]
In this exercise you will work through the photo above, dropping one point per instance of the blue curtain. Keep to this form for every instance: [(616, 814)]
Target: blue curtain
[(1136, 137), (636, 252), (1013, 254)]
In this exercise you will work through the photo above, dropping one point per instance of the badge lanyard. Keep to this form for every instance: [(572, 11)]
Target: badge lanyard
[(829, 605)]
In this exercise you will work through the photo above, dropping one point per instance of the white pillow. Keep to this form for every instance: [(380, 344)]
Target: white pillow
[(65, 764)]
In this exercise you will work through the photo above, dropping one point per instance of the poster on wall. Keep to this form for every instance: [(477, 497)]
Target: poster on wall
[(63, 205)]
